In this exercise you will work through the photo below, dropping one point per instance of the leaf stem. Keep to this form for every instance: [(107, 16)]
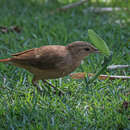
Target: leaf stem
[(104, 66)]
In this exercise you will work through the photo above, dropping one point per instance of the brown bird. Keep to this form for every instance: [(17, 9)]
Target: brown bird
[(52, 61)]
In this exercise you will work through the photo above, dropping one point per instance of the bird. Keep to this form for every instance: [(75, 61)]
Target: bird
[(52, 61)]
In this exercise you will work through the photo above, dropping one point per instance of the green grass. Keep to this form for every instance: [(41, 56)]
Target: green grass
[(98, 107)]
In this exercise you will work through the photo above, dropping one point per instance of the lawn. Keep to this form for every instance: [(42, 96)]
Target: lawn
[(105, 104)]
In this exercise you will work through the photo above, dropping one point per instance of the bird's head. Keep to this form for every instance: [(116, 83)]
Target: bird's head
[(81, 49)]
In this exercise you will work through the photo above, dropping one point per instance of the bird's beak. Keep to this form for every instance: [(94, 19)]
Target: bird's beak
[(95, 50)]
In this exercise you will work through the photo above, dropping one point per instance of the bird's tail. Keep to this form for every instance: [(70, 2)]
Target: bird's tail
[(5, 60)]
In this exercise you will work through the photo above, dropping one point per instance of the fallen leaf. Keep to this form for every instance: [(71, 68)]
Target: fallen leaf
[(10, 29), (125, 105), (15, 29), (3, 29)]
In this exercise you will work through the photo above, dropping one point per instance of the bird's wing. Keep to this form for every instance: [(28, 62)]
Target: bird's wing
[(41, 59)]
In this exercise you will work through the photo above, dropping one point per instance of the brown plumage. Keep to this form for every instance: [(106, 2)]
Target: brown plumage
[(52, 61)]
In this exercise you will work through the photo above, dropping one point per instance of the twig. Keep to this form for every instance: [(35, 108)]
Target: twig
[(81, 75), (108, 9), (103, 77), (64, 8), (111, 67)]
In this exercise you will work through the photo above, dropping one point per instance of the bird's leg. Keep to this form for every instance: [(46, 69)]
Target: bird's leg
[(44, 81), (60, 91), (34, 82)]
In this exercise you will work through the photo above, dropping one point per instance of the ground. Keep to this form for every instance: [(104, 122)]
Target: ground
[(102, 105)]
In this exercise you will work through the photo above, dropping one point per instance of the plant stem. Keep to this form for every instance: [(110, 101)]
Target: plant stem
[(104, 66)]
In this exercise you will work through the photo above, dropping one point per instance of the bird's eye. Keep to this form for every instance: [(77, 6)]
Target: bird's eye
[(87, 49)]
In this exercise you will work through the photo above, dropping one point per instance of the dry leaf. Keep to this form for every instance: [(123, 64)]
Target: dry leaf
[(15, 29), (10, 29), (3, 29), (125, 105)]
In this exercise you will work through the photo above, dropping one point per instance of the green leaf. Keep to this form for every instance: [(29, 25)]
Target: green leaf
[(98, 42)]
